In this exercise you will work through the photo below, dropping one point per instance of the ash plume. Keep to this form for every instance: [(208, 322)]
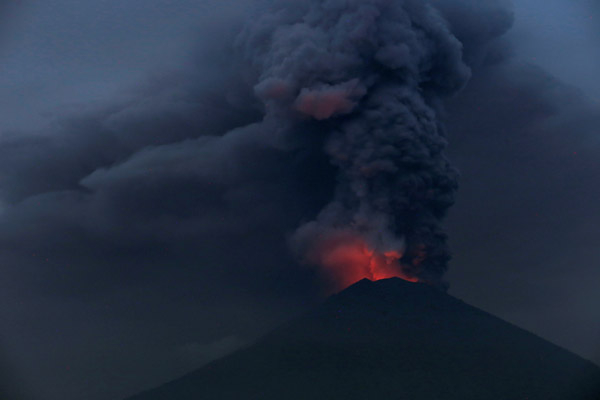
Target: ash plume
[(319, 120), (372, 74)]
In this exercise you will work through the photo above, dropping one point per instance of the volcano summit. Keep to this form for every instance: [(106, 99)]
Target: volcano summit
[(392, 339)]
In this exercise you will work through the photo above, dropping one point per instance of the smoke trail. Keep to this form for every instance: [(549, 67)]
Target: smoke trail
[(370, 73)]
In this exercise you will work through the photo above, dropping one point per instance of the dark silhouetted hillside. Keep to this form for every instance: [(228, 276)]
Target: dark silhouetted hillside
[(392, 339)]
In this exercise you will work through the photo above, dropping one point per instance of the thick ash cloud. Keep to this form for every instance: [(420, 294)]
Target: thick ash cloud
[(373, 73), (350, 92)]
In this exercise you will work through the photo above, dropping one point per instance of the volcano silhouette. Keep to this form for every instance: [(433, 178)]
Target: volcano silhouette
[(392, 339)]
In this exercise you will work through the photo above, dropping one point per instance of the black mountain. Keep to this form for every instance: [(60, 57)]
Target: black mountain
[(392, 339)]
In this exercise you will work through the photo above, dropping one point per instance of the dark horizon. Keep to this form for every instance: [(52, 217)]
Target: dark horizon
[(162, 180)]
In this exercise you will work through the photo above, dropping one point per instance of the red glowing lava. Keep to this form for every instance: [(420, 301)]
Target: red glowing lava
[(347, 259)]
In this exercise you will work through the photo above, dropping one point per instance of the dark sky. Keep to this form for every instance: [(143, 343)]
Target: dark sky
[(144, 228)]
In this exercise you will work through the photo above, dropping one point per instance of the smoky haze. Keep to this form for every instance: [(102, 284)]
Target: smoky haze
[(148, 202)]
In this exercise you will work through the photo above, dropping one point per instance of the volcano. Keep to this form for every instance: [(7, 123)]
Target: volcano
[(392, 339)]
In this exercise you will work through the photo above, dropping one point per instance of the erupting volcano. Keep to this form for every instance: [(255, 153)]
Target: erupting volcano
[(346, 259), (364, 80)]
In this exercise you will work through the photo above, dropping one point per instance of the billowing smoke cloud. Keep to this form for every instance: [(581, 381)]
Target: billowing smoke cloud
[(323, 122), (372, 74)]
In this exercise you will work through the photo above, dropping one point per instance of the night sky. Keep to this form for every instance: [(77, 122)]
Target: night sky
[(144, 232)]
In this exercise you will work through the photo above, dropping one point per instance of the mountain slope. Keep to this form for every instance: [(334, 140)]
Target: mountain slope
[(392, 339)]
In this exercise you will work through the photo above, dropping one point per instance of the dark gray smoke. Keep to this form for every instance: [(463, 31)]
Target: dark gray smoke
[(321, 111), (371, 73)]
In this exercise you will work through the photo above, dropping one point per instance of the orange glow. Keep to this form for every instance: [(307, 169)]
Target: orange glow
[(347, 259)]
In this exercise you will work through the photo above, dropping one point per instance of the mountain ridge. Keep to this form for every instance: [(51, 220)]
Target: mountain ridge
[(392, 339)]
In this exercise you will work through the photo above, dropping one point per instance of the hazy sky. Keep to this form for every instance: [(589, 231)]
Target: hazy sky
[(117, 277), (562, 36)]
